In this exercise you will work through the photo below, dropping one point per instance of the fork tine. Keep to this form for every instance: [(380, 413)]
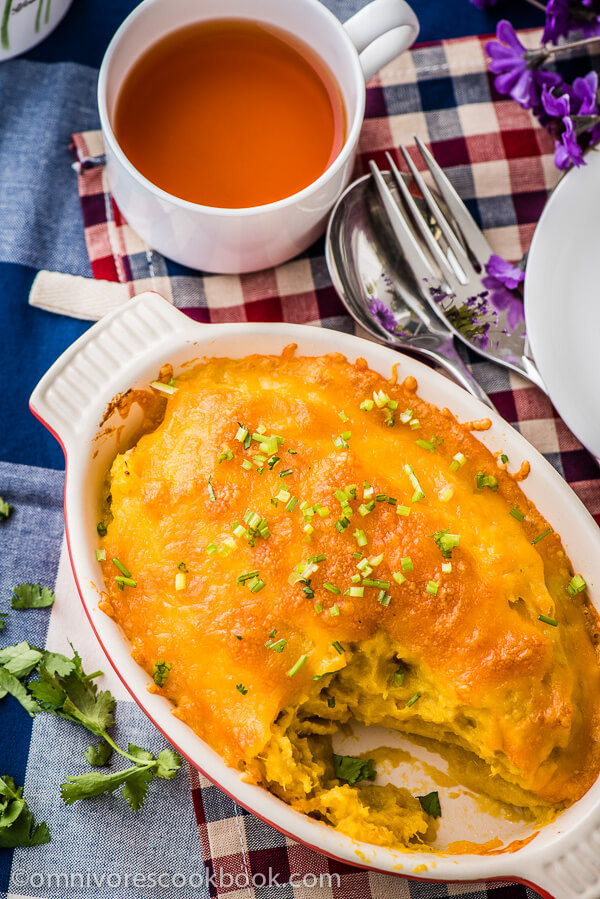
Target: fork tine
[(408, 243), (434, 208), (428, 238), (470, 229)]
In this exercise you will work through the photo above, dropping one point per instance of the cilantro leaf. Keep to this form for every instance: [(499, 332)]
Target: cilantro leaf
[(84, 705), (169, 764), (32, 596), (20, 659), (3, 615), (10, 684), (17, 826), (94, 783), (135, 788), (98, 756), (431, 804), (352, 769), (56, 663), (5, 509), (47, 691)]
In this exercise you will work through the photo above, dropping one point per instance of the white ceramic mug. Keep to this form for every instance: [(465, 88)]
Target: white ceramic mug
[(24, 23), (243, 240)]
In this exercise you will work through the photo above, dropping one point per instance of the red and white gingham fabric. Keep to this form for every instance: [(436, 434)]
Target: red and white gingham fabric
[(502, 164)]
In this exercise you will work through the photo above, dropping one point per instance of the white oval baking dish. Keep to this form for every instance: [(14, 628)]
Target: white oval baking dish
[(126, 349)]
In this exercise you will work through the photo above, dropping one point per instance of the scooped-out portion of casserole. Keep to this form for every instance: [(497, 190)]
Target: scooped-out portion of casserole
[(301, 543)]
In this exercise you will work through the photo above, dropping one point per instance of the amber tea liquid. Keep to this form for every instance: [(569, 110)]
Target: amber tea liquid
[(231, 114)]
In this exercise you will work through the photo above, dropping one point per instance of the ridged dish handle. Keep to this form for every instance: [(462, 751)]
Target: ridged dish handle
[(570, 867), (88, 368)]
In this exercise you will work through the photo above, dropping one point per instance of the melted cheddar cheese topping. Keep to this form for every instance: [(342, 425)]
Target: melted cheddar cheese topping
[(289, 547)]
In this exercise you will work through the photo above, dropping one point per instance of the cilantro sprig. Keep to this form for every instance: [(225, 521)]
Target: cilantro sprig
[(5, 509), (17, 825), (431, 804), (63, 688)]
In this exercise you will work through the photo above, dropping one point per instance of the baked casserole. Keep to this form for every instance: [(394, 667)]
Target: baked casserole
[(300, 544)]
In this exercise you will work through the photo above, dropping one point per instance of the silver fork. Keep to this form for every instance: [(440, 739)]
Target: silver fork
[(448, 255)]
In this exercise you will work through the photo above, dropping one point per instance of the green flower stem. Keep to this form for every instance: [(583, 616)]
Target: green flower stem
[(4, 40)]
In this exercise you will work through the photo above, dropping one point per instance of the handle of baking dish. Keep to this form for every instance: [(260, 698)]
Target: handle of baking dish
[(94, 366), (569, 868)]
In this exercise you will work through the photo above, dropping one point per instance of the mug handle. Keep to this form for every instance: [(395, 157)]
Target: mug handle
[(381, 31)]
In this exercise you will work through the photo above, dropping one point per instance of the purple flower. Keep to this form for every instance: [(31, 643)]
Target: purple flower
[(383, 315), (577, 99), (502, 281), (558, 20), (516, 68), (508, 274)]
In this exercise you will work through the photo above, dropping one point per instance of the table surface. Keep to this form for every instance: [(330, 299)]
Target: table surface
[(51, 237)]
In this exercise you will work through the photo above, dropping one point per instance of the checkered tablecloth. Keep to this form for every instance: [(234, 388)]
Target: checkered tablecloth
[(502, 165)]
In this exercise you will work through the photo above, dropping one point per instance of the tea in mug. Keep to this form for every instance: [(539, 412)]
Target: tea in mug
[(230, 113)]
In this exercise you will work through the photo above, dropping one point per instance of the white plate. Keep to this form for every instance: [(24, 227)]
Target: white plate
[(562, 300)]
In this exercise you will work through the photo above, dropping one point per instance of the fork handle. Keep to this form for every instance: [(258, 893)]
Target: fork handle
[(445, 354)]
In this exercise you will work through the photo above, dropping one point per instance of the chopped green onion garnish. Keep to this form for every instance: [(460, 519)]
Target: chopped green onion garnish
[(331, 702), (457, 462), (504, 458), (297, 665), (341, 442), (406, 564), (366, 508), (376, 560), (399, 677), (126, 582), (356, 591), (425, 444), (278, 646), (432, 587), (285, 472), (446, 494), (273, 462), (403, 510), (406, 416), (486, 480), (331, 587), (256, 584), (546, 620), (375, 582), (125, 571), (446, 542), (338, 647), (415, 424), (100, 555), (419, 493), (343, 415), (211, 548), (183, 567), (576, 585), (101, 528), (211, 492), (341, 524), (412, 700), (163, 388), (384, 598), (247, 464), (180, 581), (241, 688), (247, 576), (241, 433), (381, 399), (334, 610), (367, 491), (541, 536), (398, 577), (363, 565), (517, 514), (366, 405), (360, 537), (226, 455), (318, 608), (391, 501), (380, 497), (446, 567), (321, 557), (357, 554), (291, 504)]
